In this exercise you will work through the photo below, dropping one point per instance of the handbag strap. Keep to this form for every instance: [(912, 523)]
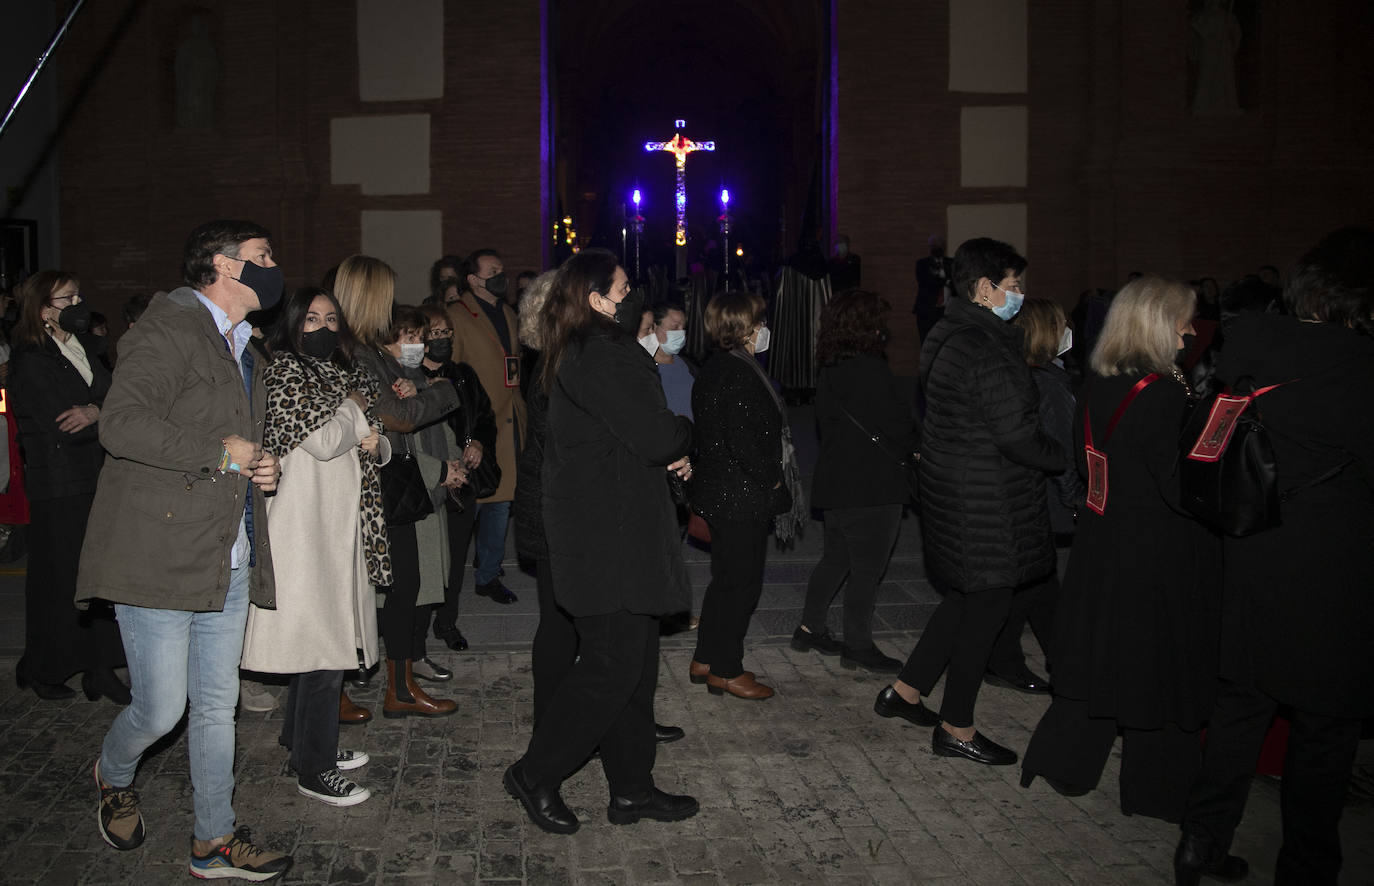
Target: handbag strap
[(1120, 410), (875, 438)]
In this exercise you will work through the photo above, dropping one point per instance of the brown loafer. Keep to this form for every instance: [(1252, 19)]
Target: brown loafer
[(351, 714), (743, 686)]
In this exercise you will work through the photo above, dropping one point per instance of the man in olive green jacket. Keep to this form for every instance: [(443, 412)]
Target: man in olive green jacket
[(177, 537)]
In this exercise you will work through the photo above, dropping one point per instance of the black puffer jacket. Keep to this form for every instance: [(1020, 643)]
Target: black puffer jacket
[(984, 520)]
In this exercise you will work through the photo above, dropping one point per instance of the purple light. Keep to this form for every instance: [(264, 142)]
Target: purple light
[(636, 198), (724, 197)]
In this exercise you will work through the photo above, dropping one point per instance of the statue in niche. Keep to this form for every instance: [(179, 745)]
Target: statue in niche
[(1214, 41), (197, 76)]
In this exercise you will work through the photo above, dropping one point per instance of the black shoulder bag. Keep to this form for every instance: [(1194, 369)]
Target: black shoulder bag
[(405, 498)]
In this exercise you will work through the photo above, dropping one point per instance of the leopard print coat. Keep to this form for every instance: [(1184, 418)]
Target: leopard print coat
[(302, 396)]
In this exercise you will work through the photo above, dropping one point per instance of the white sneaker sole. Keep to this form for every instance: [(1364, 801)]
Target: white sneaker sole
[(360, 796), (360, 759)]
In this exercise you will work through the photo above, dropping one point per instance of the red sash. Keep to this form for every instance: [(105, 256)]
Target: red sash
[(1097, 460)]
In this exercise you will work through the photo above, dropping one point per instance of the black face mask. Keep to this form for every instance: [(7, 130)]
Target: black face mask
[(319, 344), (1183, 352), (630, 311), (496, 285), (75, 319), (266, 282), (440, 350)]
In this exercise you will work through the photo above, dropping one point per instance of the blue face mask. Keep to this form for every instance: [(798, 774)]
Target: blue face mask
[(1011, 306)]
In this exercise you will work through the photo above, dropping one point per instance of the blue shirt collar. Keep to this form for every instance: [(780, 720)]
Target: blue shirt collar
[(241, 333)]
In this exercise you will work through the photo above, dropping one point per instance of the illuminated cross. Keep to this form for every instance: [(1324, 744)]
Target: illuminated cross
[(680, 148)]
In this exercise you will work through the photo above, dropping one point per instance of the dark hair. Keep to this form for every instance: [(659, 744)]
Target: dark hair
[(1334, 281), (403, 317), (525, 275), (449, 261), (98, 319), (1250, 294), (853, 323), (731, 317), (568, 313), (434, 312), (1042, 321), (32, 296), (983, 257), (135, 306), (287, 331), (470, 267), (221, 237), (662, 308)]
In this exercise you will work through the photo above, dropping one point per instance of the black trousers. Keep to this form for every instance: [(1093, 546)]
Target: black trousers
[(460, 525), (1157, 765), (606, 700), (959, 636), (1316, 775), (738, 550), (310, 723), (59, 639), (555, 642), (396, 621), (858, 544), (1035, 604)]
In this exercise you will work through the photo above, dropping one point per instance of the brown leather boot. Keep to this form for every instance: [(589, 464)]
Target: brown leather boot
[(743, 686), (351, 714), (405, 698)]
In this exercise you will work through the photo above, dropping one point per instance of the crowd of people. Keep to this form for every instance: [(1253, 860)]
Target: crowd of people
[(302, 503)]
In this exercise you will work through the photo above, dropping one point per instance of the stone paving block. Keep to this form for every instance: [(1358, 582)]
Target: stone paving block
[(608, 877), (355, 866), (500, 860), (738, 862)]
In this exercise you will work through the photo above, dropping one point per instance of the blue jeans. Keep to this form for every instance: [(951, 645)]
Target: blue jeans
[(174, 655), (492, 518)]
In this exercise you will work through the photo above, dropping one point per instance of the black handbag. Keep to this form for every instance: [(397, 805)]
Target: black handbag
[(405, 498), (906, 462), (1228, 474), (486, 477)]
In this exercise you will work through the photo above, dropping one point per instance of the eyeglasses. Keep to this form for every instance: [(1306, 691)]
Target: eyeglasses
[(440, 333), (72, 299)]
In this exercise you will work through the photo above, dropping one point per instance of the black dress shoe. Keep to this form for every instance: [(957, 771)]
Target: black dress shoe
[(1024, 681), (664, 734), (543, 805), (804, 640), (1062, 788), (452, 637), (890, 704), (498, 592), (1198, 856), (104, 682), (45, 691), (979, 749), (871, 658), (655, 804)]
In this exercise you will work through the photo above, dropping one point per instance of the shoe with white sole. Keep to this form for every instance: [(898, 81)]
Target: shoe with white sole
[(332, 787)]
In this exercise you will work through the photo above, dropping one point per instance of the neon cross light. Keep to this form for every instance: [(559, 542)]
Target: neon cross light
[(680, 147)]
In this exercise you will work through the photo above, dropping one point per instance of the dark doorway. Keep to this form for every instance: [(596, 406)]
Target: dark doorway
[(751, 76)]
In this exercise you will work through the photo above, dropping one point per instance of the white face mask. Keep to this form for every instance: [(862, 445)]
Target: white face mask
[(649, 343), (1065, 342), (412, 355), (761, 340), (675, 340)]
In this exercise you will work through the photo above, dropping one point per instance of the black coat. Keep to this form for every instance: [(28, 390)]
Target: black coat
[(1136, 628), (527, 506), (853, 471), (984, 523), (737, 469), (610, 522), (1299, 613), (1058, 409), (43, 383)]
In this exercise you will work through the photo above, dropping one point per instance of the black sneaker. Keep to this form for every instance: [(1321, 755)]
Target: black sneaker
[(497, 592), (344, 760), (822, 642), (120, 823), (240, 859), (333, 788)]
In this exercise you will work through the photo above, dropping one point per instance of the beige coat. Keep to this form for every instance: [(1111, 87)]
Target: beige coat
[(326, 609), (476, 343)]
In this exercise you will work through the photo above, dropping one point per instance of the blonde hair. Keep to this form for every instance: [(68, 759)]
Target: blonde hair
[(531, 333), (365, 288), (1141, 329), (1043, 321)]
